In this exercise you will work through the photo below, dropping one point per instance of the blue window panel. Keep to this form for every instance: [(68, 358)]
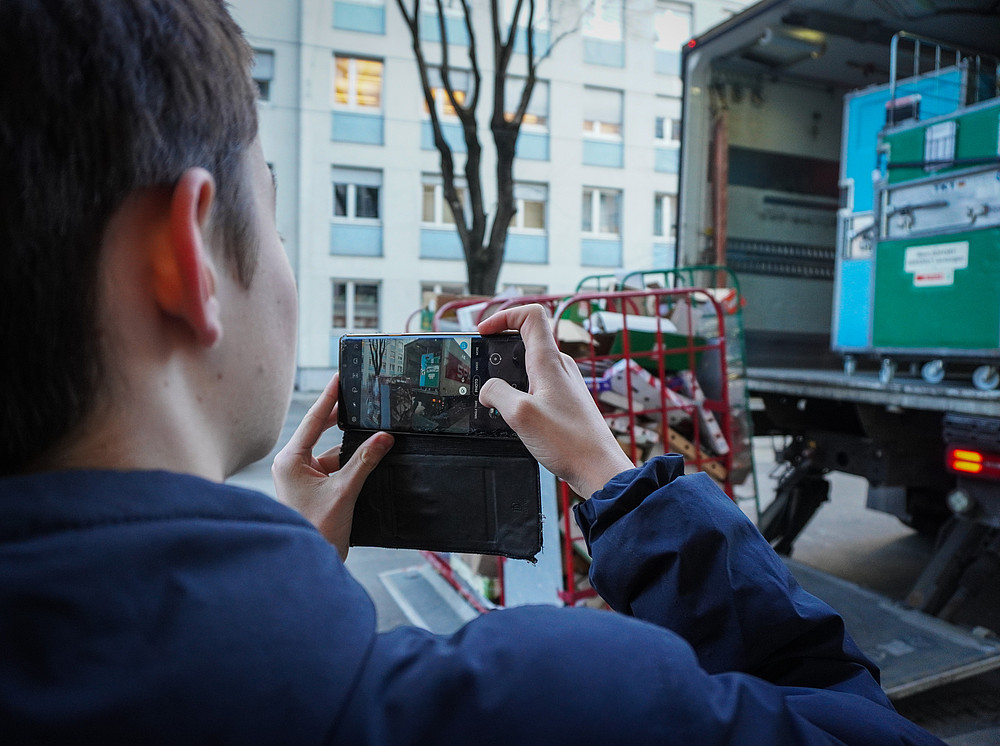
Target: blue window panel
[(453, 135), (667, 160), (601, 252), (440, 244), (668, 63), (663, 255), (527, 249), (599, 153), (349, 126), (454, 26), (607, 53), (542, 40), (355, 240), (369, 19), (532, 146)]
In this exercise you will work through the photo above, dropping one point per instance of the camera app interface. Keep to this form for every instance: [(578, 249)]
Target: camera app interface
[(418, 384)]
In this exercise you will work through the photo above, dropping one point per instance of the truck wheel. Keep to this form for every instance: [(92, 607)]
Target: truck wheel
[(933, 371), (986, 377)]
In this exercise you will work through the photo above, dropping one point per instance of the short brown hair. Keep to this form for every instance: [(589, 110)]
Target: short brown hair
[(99, 98)]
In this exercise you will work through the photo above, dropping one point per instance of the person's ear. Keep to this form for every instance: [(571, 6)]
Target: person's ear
[(184, 275)]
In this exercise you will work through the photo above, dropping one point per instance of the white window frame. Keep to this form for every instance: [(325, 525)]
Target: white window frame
[(599, 21), (525, 192), (350, 303), (666, 205), (667, 109), (595, 212), (352, 178), (594, 132), (439, 202), (352, 84), (515, 85), (663, 19), (430, 289), (543, 14)]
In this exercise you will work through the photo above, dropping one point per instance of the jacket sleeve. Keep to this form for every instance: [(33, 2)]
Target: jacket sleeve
[(676, 551), (776, 669)]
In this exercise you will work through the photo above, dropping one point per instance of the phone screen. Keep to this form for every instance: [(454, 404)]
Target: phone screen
[(426, 383)]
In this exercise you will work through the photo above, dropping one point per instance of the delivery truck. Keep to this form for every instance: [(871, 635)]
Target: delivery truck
[(843, 160)]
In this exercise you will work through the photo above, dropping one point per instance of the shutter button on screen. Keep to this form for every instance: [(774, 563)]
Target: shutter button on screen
[(495, 358)]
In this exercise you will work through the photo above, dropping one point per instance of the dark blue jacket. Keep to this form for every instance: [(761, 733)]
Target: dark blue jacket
[(159, 608)]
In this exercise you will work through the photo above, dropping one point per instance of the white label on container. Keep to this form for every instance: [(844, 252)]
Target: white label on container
[(934, 266)]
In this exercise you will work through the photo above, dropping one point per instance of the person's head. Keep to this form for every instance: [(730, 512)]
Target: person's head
[(99, 100)]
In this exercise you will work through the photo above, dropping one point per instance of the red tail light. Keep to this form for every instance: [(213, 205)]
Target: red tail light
[(973, 463)]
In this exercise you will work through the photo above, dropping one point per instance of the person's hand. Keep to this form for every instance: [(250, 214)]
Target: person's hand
[(318, 486), (557, 419)]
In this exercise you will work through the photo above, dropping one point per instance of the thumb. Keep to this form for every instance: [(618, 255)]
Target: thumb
[(500, 395), (365, 459)]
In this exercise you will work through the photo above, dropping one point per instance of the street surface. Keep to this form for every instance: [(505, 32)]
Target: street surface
[(871, 549)]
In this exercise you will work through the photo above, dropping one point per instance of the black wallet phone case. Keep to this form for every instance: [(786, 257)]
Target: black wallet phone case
[(449, 493)]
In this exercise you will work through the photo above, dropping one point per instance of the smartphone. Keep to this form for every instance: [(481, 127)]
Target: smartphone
[(426, 383)]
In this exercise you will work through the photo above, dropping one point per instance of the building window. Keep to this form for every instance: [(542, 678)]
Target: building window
[(602, 112), (530, 200), (668, 131), (603, 19), (541, 19), (355, 304), (263, 72), (536, 116), (436, 210), (672, 24), (664, 216), (461, 82), (357, 83), (601, 212), (356, 194)]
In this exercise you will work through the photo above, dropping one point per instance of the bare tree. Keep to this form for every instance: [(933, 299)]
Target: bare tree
[(483, 242)]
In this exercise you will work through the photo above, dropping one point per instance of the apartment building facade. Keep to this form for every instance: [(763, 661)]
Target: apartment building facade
[(360, 198)]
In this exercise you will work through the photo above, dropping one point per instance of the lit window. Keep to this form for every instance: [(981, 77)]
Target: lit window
[(664, 215), (601, 211), (263, 72), (355, 304), (461, 82), (357, 83), (537, 113), (356, 193), (602, 112), (672, 24), (602, 19), (435, 210), (530, 200)]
